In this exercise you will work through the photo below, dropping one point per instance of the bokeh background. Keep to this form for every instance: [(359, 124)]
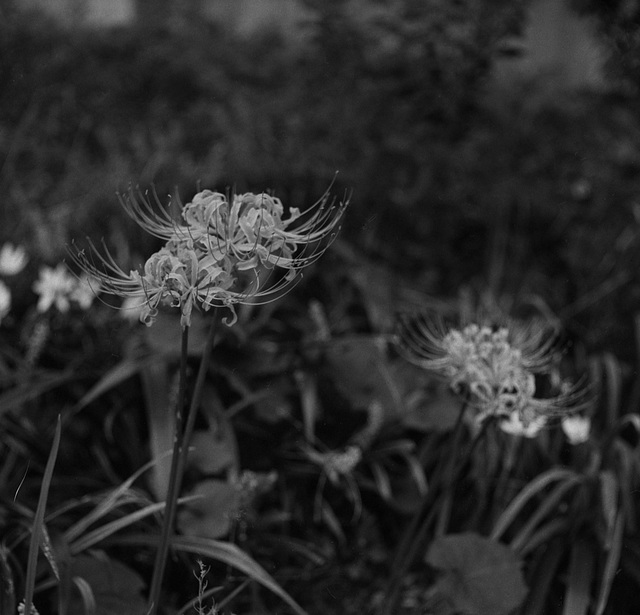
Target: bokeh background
[(485, 143), (491, 151)]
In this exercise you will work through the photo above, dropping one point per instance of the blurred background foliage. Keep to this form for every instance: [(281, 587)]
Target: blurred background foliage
[(459, 175), (490, 148)]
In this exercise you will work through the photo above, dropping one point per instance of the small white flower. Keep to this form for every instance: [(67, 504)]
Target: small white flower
[(21, 609), (85, 291), (132, 308), (577, 428), (5, 300), (54, 287), (13, 259), (515, 426)]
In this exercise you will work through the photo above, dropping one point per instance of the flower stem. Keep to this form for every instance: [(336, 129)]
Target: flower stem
[(184, 429), (174, 483), (449, 477)]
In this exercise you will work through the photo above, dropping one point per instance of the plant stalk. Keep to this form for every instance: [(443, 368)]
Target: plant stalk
[(174, 484), (180, 454)]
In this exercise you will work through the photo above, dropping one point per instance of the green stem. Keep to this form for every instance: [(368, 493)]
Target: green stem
[(197, 394), (449, 477), (179, 459), (174, 484)]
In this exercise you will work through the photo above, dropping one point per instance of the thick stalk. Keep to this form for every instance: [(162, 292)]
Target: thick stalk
[(449, 478), (174, 483), (179, 458), (197, 396)]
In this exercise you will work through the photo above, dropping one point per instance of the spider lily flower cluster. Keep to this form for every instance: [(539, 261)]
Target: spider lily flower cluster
[(226, 250), (496, 368)]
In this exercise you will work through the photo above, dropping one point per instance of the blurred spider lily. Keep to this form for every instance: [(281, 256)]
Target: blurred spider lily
[(13, 259), (226, 251), (576, 428), (495, 367), (57, 287)]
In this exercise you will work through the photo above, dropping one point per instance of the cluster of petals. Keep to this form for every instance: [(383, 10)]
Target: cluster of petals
[(13, 259), (225, 250), (495, 367), (58, 287)]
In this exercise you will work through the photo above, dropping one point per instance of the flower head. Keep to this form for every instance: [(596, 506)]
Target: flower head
[(227, 250), (54, 287), (516, 426), (85, 290), (495, 367), (60, 288), (13, 259), (577, 428)]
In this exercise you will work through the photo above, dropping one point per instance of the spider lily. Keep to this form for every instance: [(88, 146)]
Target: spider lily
[(495, 368), (225, 253)]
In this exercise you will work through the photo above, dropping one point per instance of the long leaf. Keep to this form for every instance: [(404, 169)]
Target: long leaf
[(108, 504), (161, 419), (103, 532), (528, 492), (546, 507), (611, 564), (614, 386), (581, 569), (224, 552), (116, 375), (30, 390), (38, 522), (545, 573), (543, 535)]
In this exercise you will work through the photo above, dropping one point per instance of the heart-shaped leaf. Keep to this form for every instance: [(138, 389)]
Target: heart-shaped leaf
[(478, 576)]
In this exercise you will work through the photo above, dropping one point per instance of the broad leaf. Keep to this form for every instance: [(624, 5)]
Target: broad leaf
[(478, 576)]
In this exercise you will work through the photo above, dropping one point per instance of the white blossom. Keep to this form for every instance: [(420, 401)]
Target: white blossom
[(54, 287), (577, 428), (13, 259)]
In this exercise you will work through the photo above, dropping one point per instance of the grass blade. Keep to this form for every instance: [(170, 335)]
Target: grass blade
[(7, 586), (108, 504), (224, 552), (581, 569), (38, 522), (31, 390), (116, 375), (548, 504), (103, 532), (611, 564), (545, 573), (528, 492)]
